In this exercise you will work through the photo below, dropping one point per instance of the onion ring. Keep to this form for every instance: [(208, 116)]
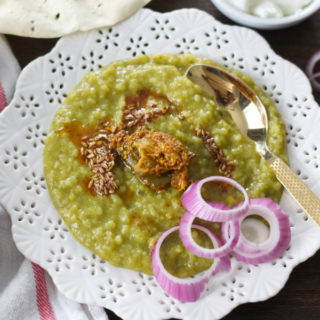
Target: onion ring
[(279, 235), (310, 71), (194, 203), (184, 289), (217, 252)]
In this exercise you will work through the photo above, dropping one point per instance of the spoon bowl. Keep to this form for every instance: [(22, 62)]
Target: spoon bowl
[(249, 115)]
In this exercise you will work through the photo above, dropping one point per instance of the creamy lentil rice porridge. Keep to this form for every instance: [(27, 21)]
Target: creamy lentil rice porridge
[(125, 144)]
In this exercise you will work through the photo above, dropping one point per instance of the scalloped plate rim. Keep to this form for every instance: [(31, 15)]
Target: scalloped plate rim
[(19, 85)]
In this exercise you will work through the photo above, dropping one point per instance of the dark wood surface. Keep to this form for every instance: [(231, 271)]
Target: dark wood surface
[(300, 298)]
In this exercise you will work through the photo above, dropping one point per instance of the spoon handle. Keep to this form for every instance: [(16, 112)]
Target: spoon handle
[(298, 190)]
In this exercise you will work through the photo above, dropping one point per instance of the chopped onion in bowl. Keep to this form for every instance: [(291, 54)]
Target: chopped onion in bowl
[(278, 238), (185, 289), (194, 203)]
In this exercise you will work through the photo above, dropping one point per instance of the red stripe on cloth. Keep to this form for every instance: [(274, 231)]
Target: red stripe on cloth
[(43, 303), (3, 100)]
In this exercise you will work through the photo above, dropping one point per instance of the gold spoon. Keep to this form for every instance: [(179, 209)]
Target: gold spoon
[(249, 114)]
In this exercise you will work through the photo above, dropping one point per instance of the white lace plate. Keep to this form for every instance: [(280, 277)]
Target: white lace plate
[(42, 236)]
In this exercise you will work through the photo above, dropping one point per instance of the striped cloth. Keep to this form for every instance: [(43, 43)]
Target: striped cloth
[(26, 290)]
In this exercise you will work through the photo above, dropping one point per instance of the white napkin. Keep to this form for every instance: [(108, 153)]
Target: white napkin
[(26, 290)]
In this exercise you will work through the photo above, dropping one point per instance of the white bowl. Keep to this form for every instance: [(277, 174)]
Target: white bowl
[(265, 23)]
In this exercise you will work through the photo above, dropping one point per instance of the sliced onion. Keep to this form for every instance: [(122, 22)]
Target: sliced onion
[(224, 263), (310, 70), (186, 225), (193, 201), (279, 235), (184, 289)]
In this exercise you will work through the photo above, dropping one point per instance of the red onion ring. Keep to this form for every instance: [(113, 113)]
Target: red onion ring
[(224, 264), (186, 224), (234, 241), (310, 70), (279, 235), (184, 289), (194, 203)]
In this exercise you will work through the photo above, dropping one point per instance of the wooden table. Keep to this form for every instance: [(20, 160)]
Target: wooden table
[(300, 298)]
